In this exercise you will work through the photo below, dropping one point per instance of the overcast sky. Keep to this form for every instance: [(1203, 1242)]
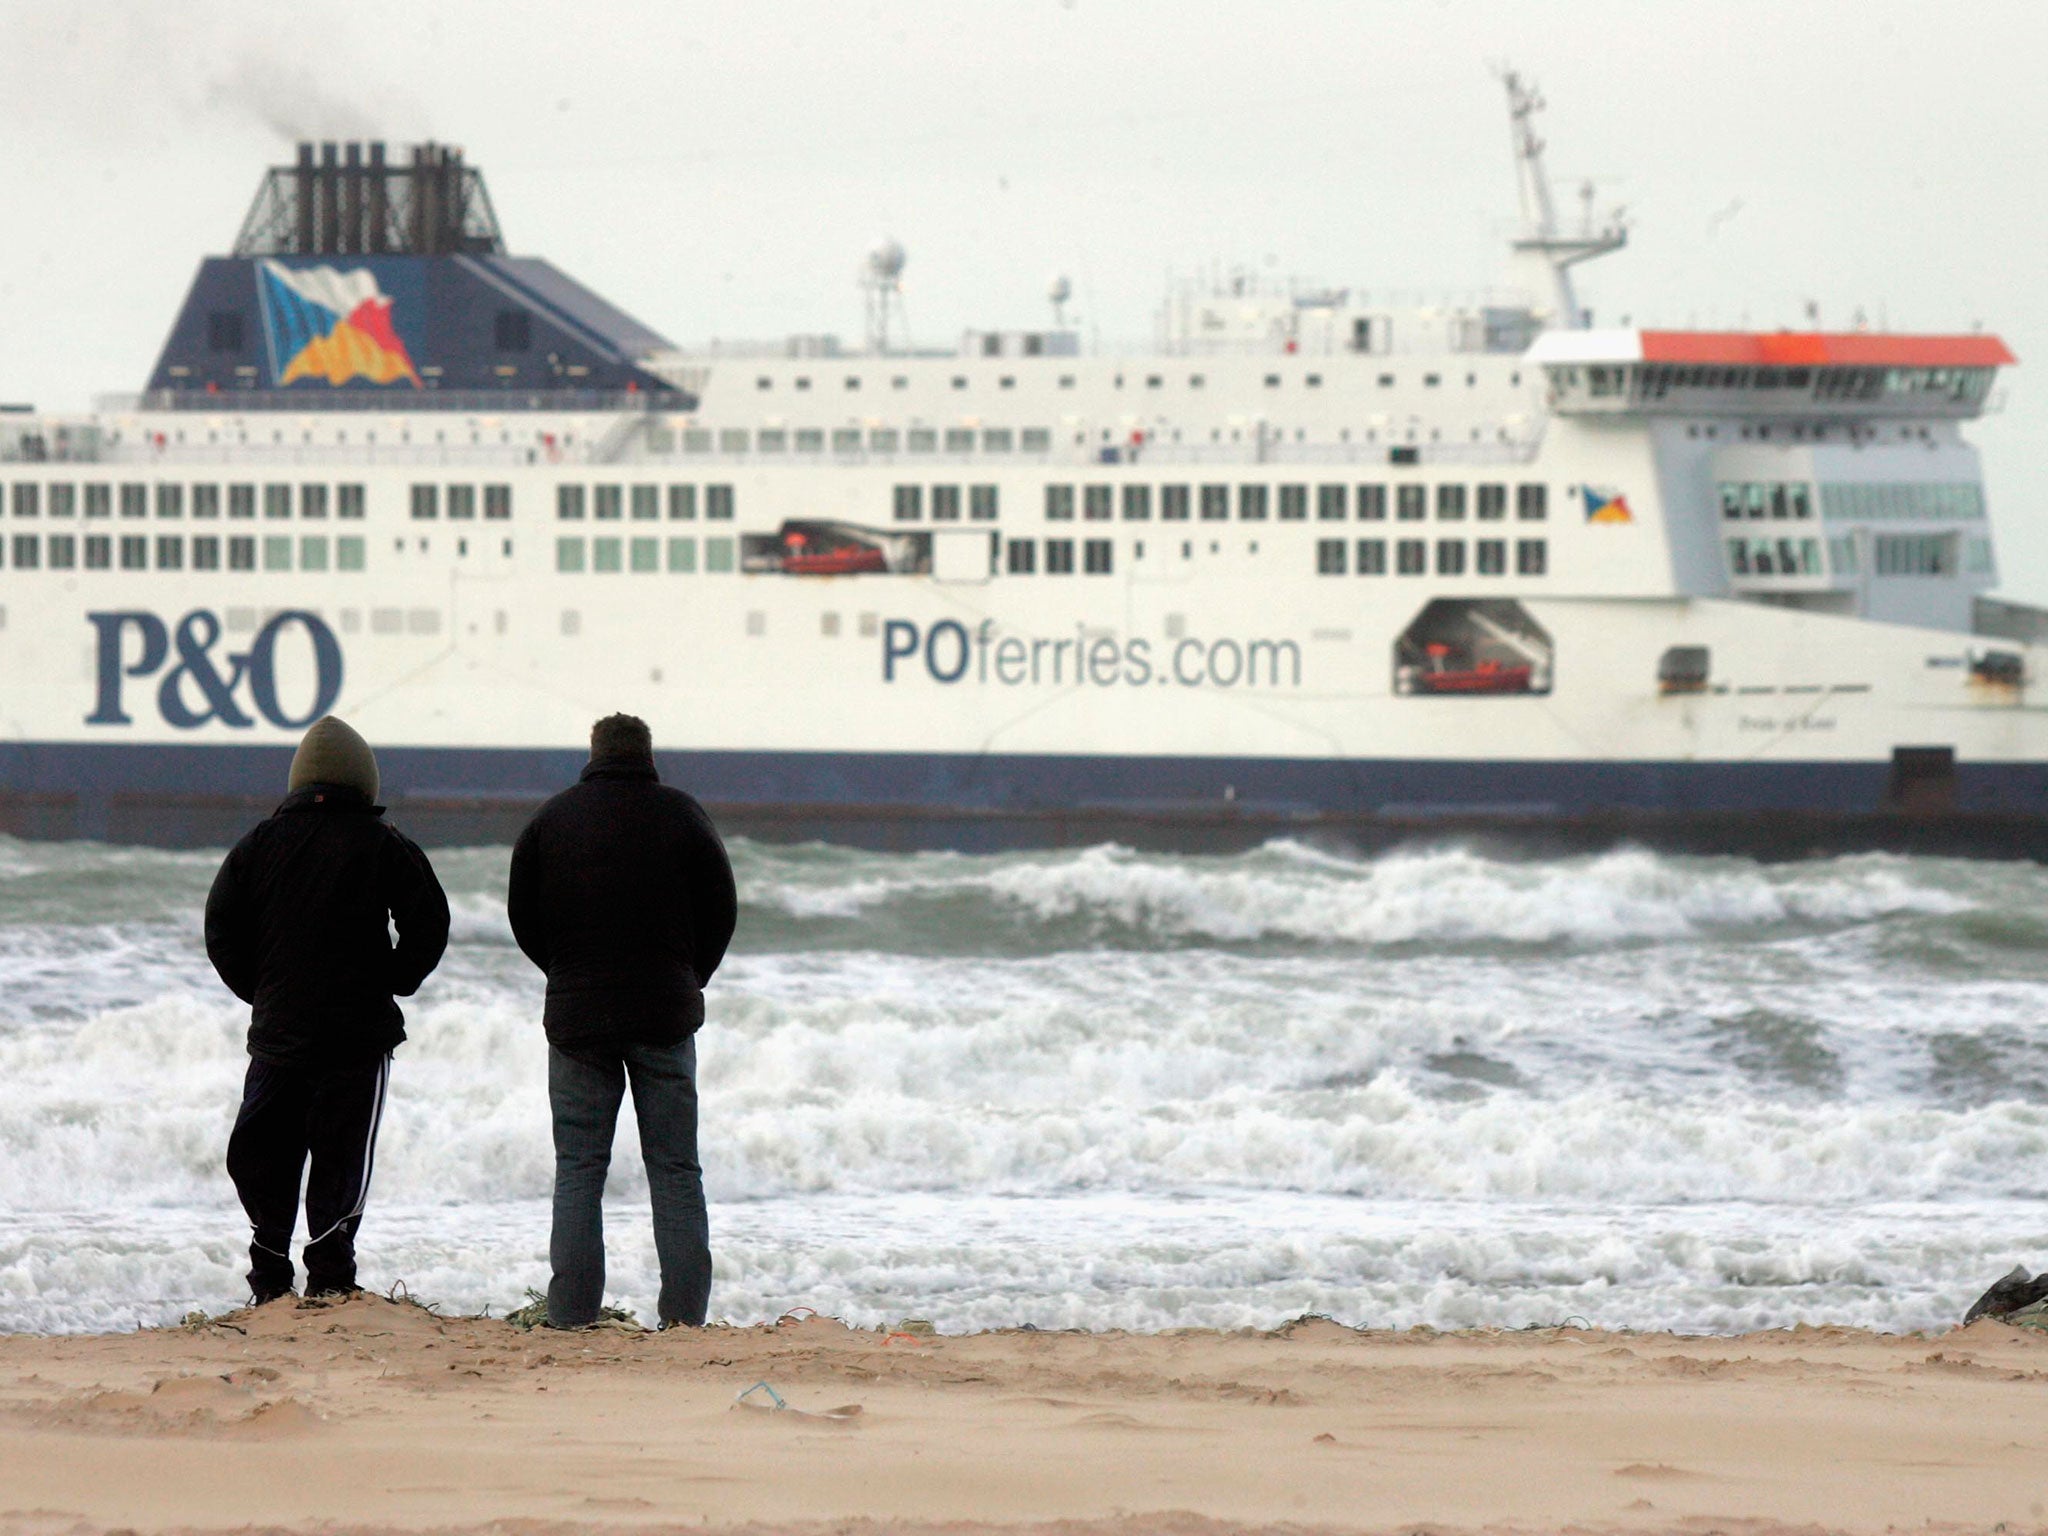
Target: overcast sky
[(718, 170)]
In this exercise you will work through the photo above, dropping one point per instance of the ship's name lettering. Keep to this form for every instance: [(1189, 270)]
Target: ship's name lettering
[(205, 682), (1789, 723), (950, 651)]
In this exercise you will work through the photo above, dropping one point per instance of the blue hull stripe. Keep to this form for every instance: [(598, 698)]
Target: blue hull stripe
[(941, 783)]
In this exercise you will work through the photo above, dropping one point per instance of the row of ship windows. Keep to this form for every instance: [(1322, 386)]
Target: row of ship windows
[(277, 500), (1958, 501), (1654, 381), (609, 503), (1776, 557), (59, 498), (1932, 555), (1096, 557), (606, 555), (1765, 498), (981, 503), (1334, 557), (169, 551), (872, 440), (1097, 503), (1333, 503), (1487, 557), (460, 501)]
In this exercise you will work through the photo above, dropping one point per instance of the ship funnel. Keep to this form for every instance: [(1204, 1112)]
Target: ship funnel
[(355, 199)]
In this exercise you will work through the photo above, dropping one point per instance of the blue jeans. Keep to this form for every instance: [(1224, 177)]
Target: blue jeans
[(584, 1089)]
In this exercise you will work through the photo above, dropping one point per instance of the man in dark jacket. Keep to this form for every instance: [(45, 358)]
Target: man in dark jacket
[(622, 893), (296, 924)]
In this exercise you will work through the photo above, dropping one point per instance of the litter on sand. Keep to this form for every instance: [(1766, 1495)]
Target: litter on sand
[(762, 1398)]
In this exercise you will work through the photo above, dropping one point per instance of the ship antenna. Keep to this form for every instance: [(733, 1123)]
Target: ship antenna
[(1540, 240)]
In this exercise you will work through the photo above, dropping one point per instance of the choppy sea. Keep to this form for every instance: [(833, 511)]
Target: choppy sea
[(1116, 1089)]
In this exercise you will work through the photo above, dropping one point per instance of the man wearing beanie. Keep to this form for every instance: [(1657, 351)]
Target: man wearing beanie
[(298, 924), (622, 894)]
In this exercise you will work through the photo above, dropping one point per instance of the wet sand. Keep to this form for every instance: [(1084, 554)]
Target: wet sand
[(375, 1416)]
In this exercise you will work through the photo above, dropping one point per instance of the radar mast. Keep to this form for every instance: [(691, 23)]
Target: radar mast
[(881, 280), (1542, 250)]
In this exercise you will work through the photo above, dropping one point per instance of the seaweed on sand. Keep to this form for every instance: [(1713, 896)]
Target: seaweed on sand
[(535, 1315)]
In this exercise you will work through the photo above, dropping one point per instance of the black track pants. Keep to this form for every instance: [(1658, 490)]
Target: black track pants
[(331, 1113)]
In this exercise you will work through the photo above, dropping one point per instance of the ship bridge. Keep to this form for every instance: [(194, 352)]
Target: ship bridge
[(1811, 375), (1816, 470)]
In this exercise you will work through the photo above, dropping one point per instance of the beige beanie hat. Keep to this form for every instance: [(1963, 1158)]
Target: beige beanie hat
[(333, 753)]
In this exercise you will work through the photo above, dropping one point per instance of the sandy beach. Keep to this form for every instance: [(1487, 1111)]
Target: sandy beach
[(375, 1416)]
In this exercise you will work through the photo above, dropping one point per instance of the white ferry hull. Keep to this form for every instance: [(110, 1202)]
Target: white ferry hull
[(906, 710)]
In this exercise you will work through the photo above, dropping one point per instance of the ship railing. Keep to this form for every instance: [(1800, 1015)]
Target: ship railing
[(1519, 451), (623, 453), (260, 455), (475, 402), (1272, 452), (1177, 454)]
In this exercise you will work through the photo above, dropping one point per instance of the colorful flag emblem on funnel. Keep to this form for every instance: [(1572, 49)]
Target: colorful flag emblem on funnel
[(332, 325), (1606, 506)]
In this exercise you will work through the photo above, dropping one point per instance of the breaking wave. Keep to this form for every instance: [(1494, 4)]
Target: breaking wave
[(1290, 892)]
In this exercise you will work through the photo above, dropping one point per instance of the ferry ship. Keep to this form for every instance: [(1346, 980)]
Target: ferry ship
[(1309, 564)]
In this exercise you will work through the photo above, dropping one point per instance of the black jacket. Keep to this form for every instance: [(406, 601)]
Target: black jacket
[(296, 925), (622, 893)]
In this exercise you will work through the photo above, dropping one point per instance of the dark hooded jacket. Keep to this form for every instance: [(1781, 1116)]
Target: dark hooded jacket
[(298, 924), (621, 891)]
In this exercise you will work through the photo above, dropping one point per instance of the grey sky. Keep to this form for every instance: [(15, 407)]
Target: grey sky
[(719, 170)]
